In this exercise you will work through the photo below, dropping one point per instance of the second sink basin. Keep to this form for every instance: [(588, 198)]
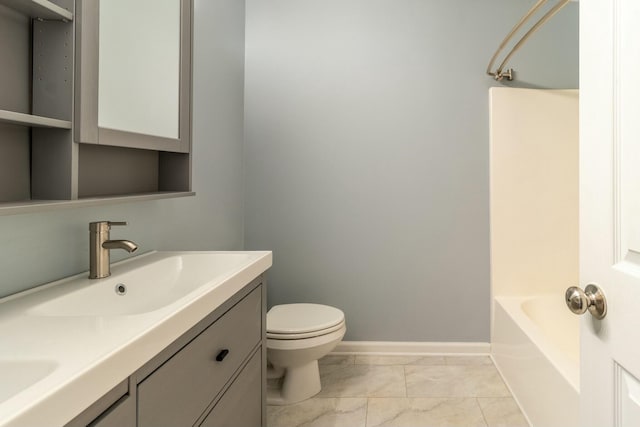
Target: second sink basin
[(134, 289), (17, 375)]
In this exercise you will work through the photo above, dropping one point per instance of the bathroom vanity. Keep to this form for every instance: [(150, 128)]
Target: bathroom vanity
[(184, 345), (211, 376)]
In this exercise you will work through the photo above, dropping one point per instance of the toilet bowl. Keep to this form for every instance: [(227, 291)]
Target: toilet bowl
[(297, 336)]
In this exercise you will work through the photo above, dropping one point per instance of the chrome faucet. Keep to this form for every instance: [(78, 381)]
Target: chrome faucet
[(100, 245)]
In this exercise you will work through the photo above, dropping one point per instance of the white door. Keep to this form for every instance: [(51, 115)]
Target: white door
[(610, 209)]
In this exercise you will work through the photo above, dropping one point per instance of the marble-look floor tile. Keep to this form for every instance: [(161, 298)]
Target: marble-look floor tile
[(331, 363), (468, 360), (337, 359), (424, 412), (399, 360), (363, 381), (502, 412), (319, 412), (454, 381)]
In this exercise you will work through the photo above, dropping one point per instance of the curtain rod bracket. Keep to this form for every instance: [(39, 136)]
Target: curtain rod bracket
[(506, 74)]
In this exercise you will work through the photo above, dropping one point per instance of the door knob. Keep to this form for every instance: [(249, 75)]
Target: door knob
[(591, 299)]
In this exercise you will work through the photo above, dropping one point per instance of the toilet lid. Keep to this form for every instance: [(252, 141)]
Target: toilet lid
[(302, 318)]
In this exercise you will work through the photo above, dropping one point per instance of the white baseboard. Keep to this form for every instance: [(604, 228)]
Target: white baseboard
[(412, 348)]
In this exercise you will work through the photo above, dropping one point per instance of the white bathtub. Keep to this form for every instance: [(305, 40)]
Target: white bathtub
[(536, 347)]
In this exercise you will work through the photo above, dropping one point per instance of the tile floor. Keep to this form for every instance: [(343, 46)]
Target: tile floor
[(404, 391)]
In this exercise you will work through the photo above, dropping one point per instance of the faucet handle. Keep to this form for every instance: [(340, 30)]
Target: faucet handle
[(103, 226)]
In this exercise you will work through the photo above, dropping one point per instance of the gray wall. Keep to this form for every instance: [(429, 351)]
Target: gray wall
[(37, 248), (366, 154)]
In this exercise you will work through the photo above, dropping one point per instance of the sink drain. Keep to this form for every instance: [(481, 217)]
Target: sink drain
[(121, 289)]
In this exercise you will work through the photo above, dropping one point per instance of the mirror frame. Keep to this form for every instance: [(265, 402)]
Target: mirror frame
[(86, 129)]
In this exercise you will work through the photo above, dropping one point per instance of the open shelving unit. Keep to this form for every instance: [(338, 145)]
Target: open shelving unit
[(37, 103), (42, 165)]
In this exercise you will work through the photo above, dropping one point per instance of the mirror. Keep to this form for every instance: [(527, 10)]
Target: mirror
[(133, 73), (139, 66)]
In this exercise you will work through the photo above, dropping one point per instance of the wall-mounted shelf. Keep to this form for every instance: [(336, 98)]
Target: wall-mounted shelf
[(31, 120), (32, 206), (42, 9)]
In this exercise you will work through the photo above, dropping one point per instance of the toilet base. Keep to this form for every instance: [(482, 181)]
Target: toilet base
[(299, 383)]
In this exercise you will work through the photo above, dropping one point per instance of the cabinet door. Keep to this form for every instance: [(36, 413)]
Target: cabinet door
[(121, 414), (241, 405), (133, 85), (181, 390), (117, 408)]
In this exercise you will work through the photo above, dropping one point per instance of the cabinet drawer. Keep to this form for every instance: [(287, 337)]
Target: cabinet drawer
[(241, 405), (178, 392)]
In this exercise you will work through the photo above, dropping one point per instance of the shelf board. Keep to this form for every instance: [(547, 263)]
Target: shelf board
[(32, 206), (42, 9), (31, 120)]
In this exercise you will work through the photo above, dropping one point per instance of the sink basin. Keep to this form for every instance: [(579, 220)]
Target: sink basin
[(140, 288), (18, 375)]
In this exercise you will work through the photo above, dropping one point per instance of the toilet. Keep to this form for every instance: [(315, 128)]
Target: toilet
[(297, 336)]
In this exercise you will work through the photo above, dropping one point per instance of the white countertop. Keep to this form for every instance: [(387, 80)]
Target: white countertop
[(89, 355)]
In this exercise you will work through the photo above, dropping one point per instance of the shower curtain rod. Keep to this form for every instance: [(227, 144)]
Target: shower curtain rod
[(500, 73)]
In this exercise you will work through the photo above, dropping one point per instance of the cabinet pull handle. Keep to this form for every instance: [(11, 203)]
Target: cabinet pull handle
[(220, 357)]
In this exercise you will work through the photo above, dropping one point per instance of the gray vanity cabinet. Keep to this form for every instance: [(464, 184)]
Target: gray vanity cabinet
[(178, 392), (214, 375)]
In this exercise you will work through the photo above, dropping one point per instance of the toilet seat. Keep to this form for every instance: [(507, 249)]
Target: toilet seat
[(276, 336), (298, 321)]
